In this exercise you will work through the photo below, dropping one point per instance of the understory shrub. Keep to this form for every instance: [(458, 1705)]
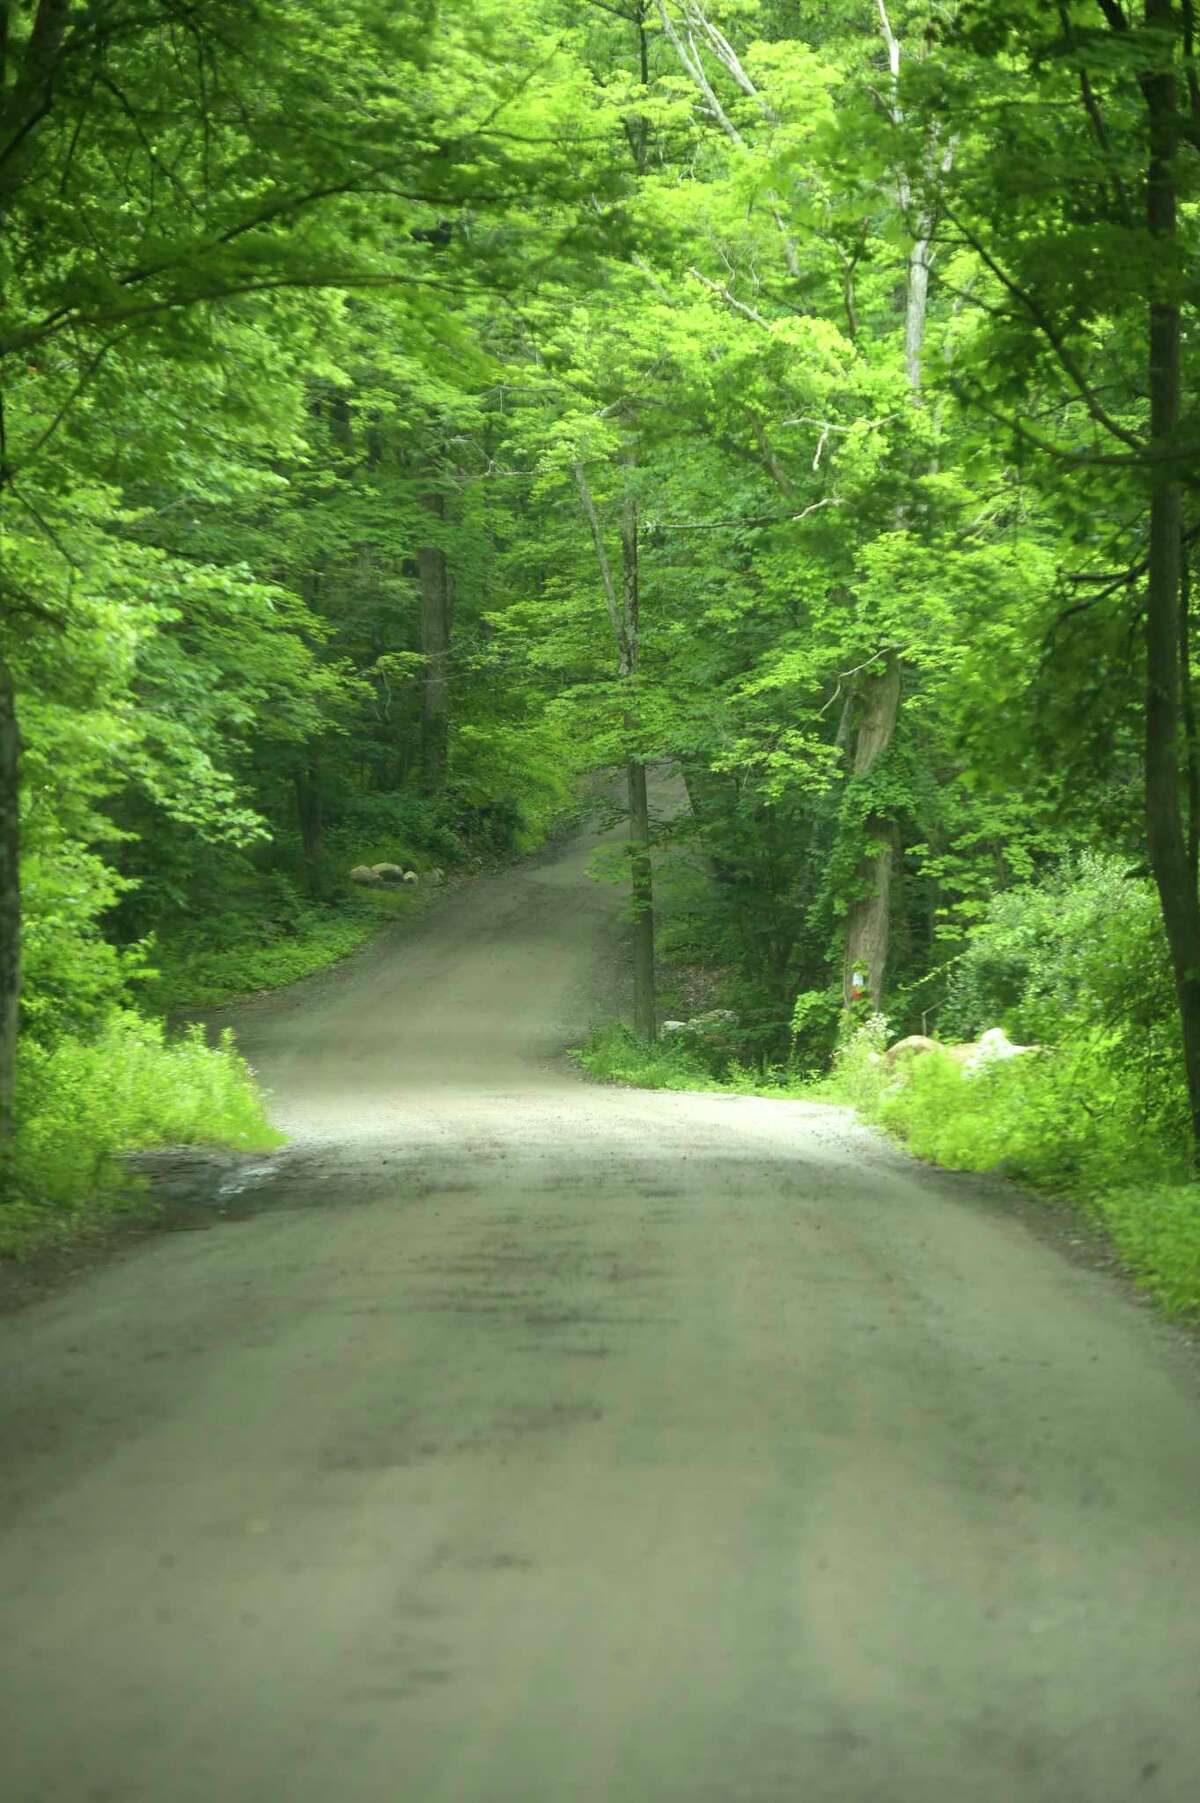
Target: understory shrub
[(615, 1054), (1062, 1122), (1077, 965), (1085, 946), (83, 1102), (1098, 1114), (191, 972), (1157, 1233), (1061, 1119)]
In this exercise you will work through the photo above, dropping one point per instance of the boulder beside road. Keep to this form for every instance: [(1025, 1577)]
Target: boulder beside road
[(991, 1048)]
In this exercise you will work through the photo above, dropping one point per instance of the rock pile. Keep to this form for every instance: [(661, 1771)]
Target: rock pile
[(990, 1049), (374, 876)]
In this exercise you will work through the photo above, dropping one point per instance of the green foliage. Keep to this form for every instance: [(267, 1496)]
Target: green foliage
[(1079, 962), (816, 1014), (857, 1075), (83, 1102), (1063, 1119), (254, 956), (615, 1054), (1098, 1114), (1069, 1122), (1156, 1231), (1084, 944), (331, 324)]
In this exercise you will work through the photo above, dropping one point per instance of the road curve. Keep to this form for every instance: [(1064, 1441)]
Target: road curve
[(514, 1440)]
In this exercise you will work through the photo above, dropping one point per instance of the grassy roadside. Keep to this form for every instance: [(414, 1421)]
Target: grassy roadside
[(258, 957), (133, 1085), (1044, 1123), (81, 1105), (1052, 1124), (612, 1053)]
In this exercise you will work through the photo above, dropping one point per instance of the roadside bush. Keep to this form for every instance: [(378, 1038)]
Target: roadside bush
[(858, 1075), (614, 1054), (193, 973), (1157, 1233), (1080, 964), (81, 1103), (1062, 1119), (1068, 1124), (417, 831), (1086, 945), (71, 975), (1099, 1116)]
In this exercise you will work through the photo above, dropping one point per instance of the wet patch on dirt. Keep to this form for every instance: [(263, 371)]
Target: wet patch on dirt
[(193, 1189)]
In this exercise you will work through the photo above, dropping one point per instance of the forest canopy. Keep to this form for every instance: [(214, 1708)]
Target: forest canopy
[(410, 409)]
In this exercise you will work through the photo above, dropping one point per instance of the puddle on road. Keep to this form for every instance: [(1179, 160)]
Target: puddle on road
[(199, 1188)]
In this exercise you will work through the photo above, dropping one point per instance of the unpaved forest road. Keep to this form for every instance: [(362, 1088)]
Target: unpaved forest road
[(529, 1441)]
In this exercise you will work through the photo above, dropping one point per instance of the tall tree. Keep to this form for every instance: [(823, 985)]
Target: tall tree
[(156, 162), (623, 606)]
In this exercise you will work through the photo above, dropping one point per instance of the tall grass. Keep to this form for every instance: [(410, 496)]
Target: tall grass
[(255, 955), (83, 1102), (614, 1054), (1072, 1121)]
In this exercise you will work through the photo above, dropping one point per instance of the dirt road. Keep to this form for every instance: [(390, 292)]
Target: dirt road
[(515, 1440)]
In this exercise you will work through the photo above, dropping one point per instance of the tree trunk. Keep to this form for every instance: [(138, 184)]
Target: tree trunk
[(1165, 833), (1188, 697), (916, 307), (436, 598), (645, 1014), (10, 913), (623, 616), (869, 920), (868, 927), (310, 818), (641, 874)]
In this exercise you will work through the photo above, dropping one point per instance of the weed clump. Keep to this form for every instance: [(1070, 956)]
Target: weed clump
[(82, 1102), (1098, 1114)]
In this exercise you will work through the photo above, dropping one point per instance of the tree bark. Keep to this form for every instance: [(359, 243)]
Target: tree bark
[(436, 602), (869, 920), (915, 310), (310, 819), (641, 878), (641, 874), (868, 925), (624, 610), (1188, 697), (28, 99), (1165, 832), (10, 913)]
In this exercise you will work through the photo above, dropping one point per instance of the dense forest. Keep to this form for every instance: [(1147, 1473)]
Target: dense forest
[(411, 411)]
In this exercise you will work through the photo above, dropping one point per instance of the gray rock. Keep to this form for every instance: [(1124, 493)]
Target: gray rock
[(912, 1047)]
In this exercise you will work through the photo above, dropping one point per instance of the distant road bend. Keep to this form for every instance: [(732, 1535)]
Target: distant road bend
[(526, 1441)]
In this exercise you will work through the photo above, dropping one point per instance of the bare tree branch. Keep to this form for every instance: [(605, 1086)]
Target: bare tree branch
[(689, 56), (739, 306), (1051, 334), (611, 602)]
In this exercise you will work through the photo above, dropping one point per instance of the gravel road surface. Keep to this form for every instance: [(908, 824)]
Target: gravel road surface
[(509, 1439)]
